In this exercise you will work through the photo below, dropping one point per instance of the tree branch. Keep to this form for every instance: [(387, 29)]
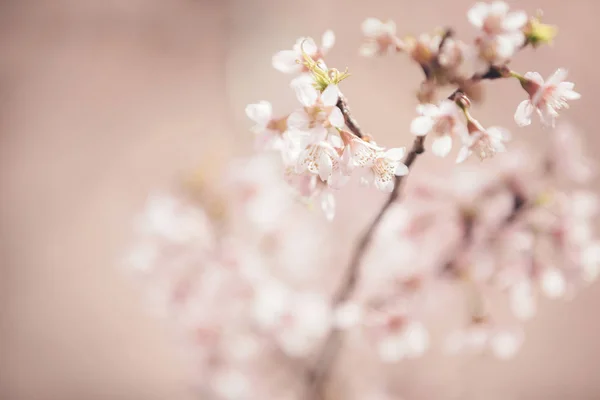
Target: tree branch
[(318, 375), (351, 123)]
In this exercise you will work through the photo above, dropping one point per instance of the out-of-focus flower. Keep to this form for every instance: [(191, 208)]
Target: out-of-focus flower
[(380, 37), (268, 130), (502, 31), (386, 166), (485, 143), (547, 98)]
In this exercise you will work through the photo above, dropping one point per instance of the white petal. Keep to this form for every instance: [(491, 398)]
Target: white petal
[(298, 120), (505, 46), (384, 186), (369, 49), (421, 126), (372, 27), (477, 14), (442, 146), (463, 154), (553, 283), (535, 77), (327, 41), (328, 205), (330, 95), (523, 113), (429, 110), (557, 77), (499, 8), (325, 166), (401, 170), (395, 154), (417, 339), (514, 20), (336, 118), (335, 140), (307, 94), (571, 95), (307, 45), (348, 315), (260, 113), (285, 61)]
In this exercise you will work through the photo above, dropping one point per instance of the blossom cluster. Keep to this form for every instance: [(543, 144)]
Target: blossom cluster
[(322, 149), (246, 271)]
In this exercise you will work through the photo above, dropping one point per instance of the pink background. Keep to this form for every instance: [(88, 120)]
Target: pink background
[(102, 101)]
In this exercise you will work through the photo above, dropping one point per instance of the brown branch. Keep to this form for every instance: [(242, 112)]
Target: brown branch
[(319, 374), (351, 123)]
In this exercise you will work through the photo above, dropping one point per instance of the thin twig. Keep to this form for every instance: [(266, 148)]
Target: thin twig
[(351, 123), (318, 375)]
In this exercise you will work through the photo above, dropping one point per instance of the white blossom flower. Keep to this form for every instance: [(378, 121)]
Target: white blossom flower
[(286, 61), (268, 130), (318, 158), (385, 167), (461, 59), (380, 37), (443, 122), (319, 112), (547, 98), (485, 143), (502, 30)]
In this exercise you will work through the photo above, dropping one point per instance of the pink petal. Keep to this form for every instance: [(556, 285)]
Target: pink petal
[(285, 61), (330, 95), (260, 113), (523, 113), (535, 77)]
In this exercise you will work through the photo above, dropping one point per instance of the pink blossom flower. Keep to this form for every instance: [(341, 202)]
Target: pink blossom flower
[(502, 30), (380, 37), (268, 130), (319, 112), (287, 61), (461, 60), (483, 142), (547, 98), (318, 158), (385, 167), (444, 122)]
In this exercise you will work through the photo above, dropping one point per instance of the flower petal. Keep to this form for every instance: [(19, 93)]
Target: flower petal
[(442, 146), (307, 45), (463, 154), (535, 77), (325, 166), (395, 154), (421, 126), (298, 120), (514, 21), (285, 61), (369, 49), (327, 41), (260, 112), (307, 94), (401, 170), (478, 13), (523, 113), (372, 27), (328, 205), (330, 95), (557, 77)]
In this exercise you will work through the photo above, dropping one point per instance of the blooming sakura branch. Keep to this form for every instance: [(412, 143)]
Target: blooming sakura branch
[(249, 268)]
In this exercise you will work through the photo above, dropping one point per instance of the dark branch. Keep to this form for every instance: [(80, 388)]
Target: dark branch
[(351, 123)]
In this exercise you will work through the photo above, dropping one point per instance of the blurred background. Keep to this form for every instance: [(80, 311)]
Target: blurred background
[(103, 101)]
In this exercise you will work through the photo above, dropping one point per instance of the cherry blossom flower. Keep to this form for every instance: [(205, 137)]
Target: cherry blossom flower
[(319, 112), (485, 143), (380, 37), (286, 61), (444, 122), (318, 158), (385, 167), (268, 130), (424, 48), (461, 60), (547, 98), (502, 31)]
